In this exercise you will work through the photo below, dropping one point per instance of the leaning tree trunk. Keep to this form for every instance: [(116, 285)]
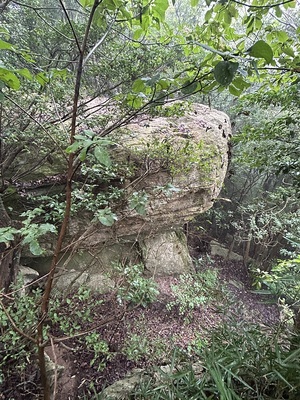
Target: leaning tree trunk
[(8, 253)]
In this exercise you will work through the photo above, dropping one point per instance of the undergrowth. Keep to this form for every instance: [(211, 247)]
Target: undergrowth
[(241, 361), (238, 360)]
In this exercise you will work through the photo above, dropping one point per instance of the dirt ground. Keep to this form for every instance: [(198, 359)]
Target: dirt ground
[(163, 329), (155, 331)]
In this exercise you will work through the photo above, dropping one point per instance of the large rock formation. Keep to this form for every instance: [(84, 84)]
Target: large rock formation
[(171, 169), (178, 164)]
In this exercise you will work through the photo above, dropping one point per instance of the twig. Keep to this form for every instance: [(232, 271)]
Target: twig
[(37, 122), (99, 43), (55, 369), (71, 25), (104, 322)]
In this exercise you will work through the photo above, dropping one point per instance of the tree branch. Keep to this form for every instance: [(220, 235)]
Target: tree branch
[(37, 122), (70, 23), (99, 43), (52, 27), (265, 6)]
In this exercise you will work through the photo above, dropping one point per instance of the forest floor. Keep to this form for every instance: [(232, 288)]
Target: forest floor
[(141, 337), (147, 336)]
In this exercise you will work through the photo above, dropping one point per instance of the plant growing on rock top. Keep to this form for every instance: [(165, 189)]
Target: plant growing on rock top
[(138, 202), (180, 156)]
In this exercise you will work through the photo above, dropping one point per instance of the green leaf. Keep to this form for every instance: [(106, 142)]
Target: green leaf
[(240, 83), (162, 4), (234, 91), (189, 87), (110, 5), (141, 209), (87, 3), (82, 154), (58, 73), (227, 17), (290, 4), (278, 12), (164, 83), (288, 51), (138, 86), (208, 15), (45, 228), (145, 23), (35, 248), (282, 36), (42, 78), (225, 71), (106, 217), (5, 45), (9, 78), (73, 147), (138, 33), (126, 14), (102, 155), (261, 49), (7, 234), (194, 3), (25, 72), (88, 133), (138, 202), (27, 56)]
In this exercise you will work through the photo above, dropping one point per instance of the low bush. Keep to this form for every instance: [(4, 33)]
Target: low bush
[(134, 288), (19, 312), (193, 291)]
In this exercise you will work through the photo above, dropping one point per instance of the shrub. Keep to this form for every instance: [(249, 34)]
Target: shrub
[(135, 288), (283, 280), (19, 313), (15, 349), (192, 291)]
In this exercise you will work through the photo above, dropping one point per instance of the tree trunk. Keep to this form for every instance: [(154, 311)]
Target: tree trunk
[(9, 254)]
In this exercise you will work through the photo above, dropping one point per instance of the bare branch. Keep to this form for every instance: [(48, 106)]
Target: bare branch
[(3, 5), (264, 6), (99, 43), (52, 27), (71, 25), (38, 123)]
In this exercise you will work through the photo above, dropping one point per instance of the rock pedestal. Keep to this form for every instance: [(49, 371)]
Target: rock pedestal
[(171, 169)]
